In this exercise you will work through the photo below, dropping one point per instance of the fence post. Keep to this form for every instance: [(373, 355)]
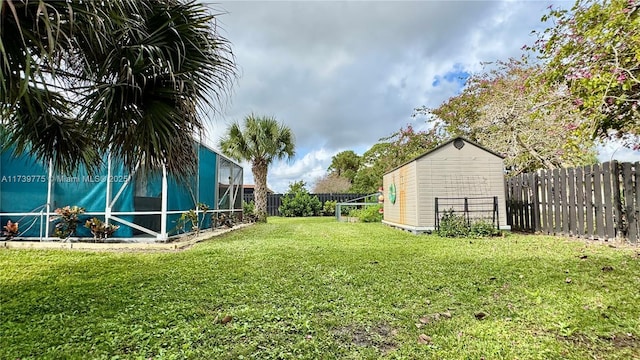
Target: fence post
[(535, 203), (630, 209), (618, 210)]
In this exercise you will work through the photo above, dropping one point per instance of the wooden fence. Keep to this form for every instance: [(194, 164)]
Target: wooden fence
[(601, 201), (275, 200)]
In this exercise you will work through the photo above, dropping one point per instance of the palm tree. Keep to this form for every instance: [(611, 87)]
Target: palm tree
[(260, 141), (78, 78)]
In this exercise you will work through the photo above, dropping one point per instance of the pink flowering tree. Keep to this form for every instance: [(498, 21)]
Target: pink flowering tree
[(595, 50), (507, 110)]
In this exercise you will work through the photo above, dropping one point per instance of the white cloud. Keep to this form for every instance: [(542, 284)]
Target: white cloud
[(342, 75)]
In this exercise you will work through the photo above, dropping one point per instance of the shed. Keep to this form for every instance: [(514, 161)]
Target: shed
[(146, 206), (459, 175)]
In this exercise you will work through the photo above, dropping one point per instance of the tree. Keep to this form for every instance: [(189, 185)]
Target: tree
[(298, 202), (594, 49), (345, 164), (506, 110), (391, 152), (332, 183), (260, 140), (78, 78)]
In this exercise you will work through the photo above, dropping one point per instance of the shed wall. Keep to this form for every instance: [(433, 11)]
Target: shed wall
[(445, 172), (453, 173), (404, 210)]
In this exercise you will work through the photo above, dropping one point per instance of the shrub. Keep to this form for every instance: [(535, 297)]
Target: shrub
[(329, 208), (483, 228), (368, 213), (248, 208), (298, 202), (99, 229), (67, 221), (453, 225)]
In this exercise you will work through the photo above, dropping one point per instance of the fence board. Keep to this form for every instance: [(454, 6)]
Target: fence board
[(549, 179), (571, 221), (580, 202), (543, 201), (557, 205), (564, 206), (607, 201), (598, 205), (588, 186), (618, 211), (535, 209), (628, 188)]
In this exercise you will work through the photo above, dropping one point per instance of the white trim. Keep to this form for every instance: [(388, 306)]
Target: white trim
[(47, 229), (136, 226), (165, 196)]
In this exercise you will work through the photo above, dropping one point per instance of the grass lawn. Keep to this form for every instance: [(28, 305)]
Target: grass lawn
[(313, 288)]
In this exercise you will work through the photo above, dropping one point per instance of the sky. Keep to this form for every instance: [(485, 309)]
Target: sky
[(342, 75)]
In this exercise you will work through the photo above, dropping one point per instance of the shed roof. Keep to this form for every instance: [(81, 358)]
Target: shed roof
[(443, 145)]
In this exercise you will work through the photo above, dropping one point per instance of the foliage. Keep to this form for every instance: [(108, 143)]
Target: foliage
[(99, 229), (391, 152), (368, 214), (594, 48), (483, 228), (331, 183), (329, 208), (260, 141), (248, 208), (345, 165), (66, 221), (78, 78), (298, 202), (192, 217), (456, 225), (313, 288), (248, 211), (10, 230), (506, 109), (453, 225)]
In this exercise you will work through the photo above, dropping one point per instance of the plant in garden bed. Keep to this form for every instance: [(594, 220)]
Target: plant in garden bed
[(248, 211), (67, 221), (483, 228), (192, 216), (455, 225), (10, 230), (99, 229)]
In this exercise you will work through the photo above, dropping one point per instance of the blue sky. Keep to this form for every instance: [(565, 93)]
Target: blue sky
[(342, 75)]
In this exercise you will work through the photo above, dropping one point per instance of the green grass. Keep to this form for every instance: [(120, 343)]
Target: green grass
[(316, 289)]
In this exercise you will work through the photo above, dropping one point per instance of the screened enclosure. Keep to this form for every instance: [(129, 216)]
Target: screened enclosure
[(145, 206)]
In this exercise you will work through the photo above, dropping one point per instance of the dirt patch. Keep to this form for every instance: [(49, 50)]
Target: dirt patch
[(380, 336), (617, 341)]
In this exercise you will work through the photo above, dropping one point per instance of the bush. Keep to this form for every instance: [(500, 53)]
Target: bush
[(298, 202), (248, 208), (453, 225), (329, 208), (368, 213), (483, 228)]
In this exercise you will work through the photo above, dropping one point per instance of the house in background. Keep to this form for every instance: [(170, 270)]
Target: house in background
[(459, 176), (249, 190)]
